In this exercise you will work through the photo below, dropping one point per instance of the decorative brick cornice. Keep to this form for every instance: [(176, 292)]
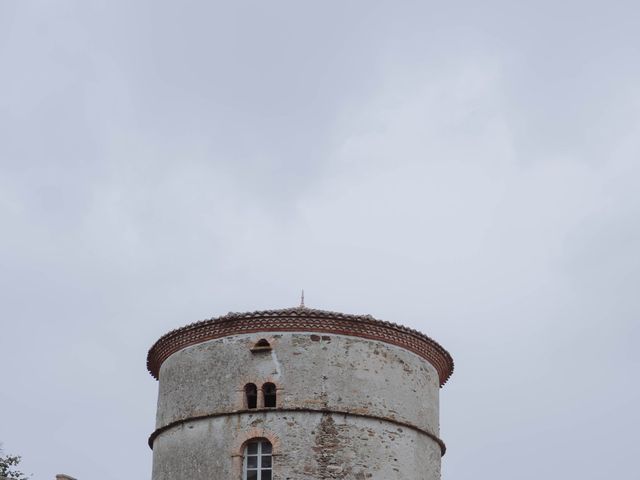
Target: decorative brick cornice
[(301, 319)]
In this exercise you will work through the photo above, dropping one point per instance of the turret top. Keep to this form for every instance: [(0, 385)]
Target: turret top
[(301, 319)]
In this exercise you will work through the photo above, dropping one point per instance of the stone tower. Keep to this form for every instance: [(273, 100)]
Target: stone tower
[(297, 394)]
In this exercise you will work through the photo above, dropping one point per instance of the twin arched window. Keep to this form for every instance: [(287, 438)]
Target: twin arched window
[(268, 392), (251, 395), (257, 463)]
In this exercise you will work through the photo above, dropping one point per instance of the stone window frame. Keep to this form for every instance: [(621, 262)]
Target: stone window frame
[(260, 456), (264, 393), (262, 345), (254, 341), (241, 395), (256, 391), (254, 433)]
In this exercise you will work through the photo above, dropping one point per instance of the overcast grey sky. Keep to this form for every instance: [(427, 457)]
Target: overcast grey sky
[(470, 169)]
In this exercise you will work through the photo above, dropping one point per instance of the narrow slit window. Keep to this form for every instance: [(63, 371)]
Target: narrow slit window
[(251, 395), (269, 391), (257, 464)]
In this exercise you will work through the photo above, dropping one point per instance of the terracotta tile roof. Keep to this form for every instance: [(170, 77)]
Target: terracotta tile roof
[(301, 319)]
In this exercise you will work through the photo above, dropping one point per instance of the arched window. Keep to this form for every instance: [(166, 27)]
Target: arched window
[(261, 345), (257, 460), (251, 395), (269, 392)]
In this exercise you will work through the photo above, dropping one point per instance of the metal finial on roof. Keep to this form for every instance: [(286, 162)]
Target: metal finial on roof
[(302, 299)]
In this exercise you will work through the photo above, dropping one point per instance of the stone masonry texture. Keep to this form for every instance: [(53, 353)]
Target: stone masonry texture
[(347, 408)]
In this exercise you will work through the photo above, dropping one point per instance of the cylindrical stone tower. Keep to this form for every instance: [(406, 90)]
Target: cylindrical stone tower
[(297, 394)]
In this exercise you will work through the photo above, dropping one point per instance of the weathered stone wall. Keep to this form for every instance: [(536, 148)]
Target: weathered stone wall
[(306, 446), (310, 371), (347, 408)]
